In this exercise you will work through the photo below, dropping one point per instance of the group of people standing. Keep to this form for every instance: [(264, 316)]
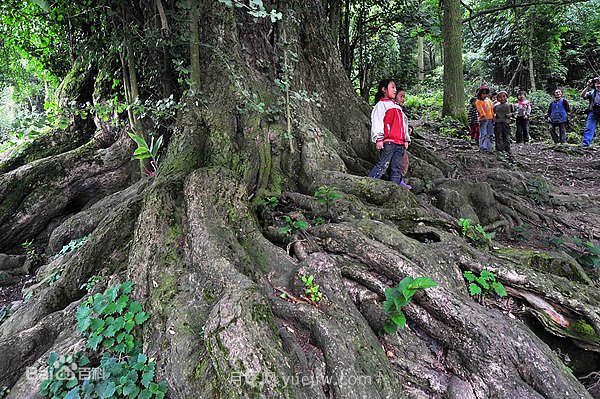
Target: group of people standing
[(491, 118), (487, 118)]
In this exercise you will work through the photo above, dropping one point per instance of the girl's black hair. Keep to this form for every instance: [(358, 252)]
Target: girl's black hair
[(523, 92), (383, 84), (473, 99)]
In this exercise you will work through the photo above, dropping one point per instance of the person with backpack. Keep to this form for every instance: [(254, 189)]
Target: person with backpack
[(558, 116), (593, 95)]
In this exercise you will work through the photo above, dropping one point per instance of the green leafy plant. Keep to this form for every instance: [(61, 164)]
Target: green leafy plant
[(145, 151), (54, 275), (31, 252), (475, 233), (538, 190), (311, 289), (586, 253), (319, 221), (521, 233), (293, 225), (74, 244), (398, 297), (5, 312), (484, 283), (107, 321), (327, 195), (266, 205), (91, 283)]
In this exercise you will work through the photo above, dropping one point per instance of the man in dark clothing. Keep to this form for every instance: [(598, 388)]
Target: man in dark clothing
[(558, 116)]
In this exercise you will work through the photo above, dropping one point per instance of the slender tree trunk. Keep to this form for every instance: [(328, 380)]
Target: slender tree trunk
[(530, 53), (454, 90), (345, 50), (420, 61), (335, 16), (194, 47)]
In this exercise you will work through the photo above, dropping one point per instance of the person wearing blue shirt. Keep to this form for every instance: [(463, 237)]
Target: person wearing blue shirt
[(591, 92)]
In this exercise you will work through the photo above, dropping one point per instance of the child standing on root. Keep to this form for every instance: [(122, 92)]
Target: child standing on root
[(388, 132), (558, 116), (522, 112), (503, 112), (473, 120), (486, 119)]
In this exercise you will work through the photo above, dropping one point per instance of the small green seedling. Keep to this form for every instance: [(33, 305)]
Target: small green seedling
[(293, 225), (400, 296), (327, 196), (484, 283), (475, 233), (311, 289)]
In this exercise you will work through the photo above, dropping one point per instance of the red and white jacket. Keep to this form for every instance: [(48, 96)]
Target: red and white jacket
[(389, 123)]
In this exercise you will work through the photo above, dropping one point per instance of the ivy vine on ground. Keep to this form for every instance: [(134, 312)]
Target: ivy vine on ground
[(114, 363)]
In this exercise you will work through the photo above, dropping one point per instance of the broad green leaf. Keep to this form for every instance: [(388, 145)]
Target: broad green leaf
[(126, 287), (105, 389), (140, 318), (141, 151), (469, 276), (487, 275), (404, 283), (94, 341), (390, 327), (474, 289), (499, 289), (422, 283), (138, 139), (73, 393), (399, 319)]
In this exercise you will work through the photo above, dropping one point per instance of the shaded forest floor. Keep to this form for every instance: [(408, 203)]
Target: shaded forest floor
[(572, 193)]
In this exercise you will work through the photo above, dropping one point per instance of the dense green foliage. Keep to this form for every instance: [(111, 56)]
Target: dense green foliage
[(116, 365)]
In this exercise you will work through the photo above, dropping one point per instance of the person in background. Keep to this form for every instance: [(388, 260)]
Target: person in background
[(503, 112), (388, 132), (400, 99), (558, 116), (494, 98), (486, 119), (591, 92), (522, 112), (473, 121)]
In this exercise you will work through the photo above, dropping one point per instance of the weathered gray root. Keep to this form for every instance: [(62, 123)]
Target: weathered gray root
[(34, 196), (498, 356)]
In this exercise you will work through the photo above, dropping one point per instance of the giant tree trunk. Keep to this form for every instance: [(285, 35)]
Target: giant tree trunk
[(454, 90), (210, 269)]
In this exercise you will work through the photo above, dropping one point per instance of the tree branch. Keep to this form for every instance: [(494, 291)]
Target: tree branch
[(506, 7)]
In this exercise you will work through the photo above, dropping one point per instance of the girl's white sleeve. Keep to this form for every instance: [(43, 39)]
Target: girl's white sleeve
[(377, 116)]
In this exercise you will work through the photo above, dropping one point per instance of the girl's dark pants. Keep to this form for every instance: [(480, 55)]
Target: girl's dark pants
[(390, 156), (502, 132), (522, 130)]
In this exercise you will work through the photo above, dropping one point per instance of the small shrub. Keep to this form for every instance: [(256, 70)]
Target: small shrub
[(145, 150), (74, 244), (91, 283), (520, 233), (293, 225), (31, 252), (311, 289), (5, 312), (475, 233), (327, 196), (484, 283), (124, 371), (397, 297)]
